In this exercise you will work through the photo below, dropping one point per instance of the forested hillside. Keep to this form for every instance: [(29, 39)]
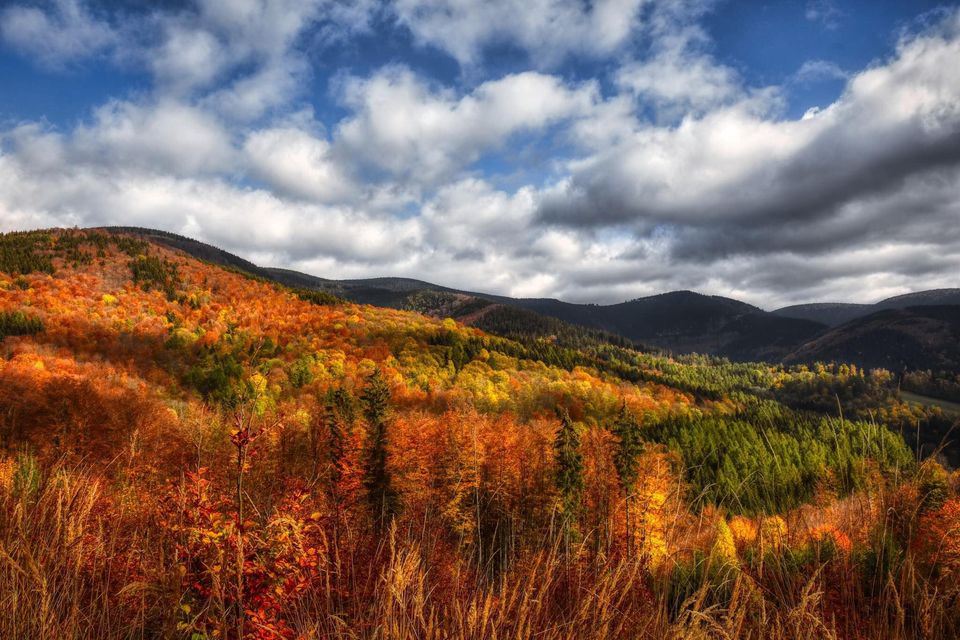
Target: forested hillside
[(194, 451), (837, 313), (924, 337), (678, 322)]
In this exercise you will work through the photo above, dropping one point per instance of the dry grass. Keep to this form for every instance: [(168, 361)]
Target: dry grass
[(79, 559)]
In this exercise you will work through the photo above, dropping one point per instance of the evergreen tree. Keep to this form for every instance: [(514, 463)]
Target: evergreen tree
[(338, 416), (629, 447), (376, 474), (569, 471)]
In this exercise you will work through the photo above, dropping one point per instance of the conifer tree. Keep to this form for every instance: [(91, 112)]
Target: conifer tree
[(338, 416), (569, 472), (376, 474), (629, 447)]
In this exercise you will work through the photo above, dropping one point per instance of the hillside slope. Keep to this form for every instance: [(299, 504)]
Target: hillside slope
[(679, 322), (925, 337), (193, 451), (836, 313)]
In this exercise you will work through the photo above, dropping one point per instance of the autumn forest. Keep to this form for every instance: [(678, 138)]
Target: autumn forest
[(194, 451)]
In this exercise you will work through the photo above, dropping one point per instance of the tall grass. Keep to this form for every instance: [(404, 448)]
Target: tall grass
[(81, 558), (55, 570)]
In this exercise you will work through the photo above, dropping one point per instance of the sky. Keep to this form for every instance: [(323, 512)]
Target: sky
[(593, 151)]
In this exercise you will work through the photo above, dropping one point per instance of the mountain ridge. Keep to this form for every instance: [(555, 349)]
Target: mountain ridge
[(836, 313), (681, 321)]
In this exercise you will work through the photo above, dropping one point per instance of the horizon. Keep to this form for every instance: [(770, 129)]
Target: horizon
[(782, 154), (479, 291)]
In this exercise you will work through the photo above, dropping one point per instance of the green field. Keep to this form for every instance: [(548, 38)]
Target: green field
[(927, 401)]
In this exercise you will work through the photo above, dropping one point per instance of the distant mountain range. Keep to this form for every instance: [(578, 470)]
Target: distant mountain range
[(915, 337), (834, 314), (917, 330)]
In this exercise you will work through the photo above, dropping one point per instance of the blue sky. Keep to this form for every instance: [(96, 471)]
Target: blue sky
[(772, 151), (768, 42)]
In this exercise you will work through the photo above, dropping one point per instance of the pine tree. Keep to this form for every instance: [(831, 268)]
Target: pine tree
[(376, 474), (629, 447), (338, 417), (569, 472)]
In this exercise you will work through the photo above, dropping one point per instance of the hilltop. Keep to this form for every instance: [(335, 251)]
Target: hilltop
[(674, 322), (834, 314)]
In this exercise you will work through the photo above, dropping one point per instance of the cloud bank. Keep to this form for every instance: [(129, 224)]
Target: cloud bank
[(664, 170)]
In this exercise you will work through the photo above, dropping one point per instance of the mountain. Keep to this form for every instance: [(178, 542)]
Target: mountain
[(685, 322), (475, 309), (834, 314), (678, 321), (831, 314), (922, 337), (933, 297), (200, 250)]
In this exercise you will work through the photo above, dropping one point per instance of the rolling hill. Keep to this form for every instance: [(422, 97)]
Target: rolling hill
[(834, 314), (678, 321), (831, 314), (923, 337)]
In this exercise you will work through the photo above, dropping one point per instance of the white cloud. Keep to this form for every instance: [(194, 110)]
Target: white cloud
[(679, 77), (297, 163), (738, 164), (813, 71), (416, 132), (188, 58), (548, 30), (272, 86), (247, 220), (471, 216), (67, 34), (241, 57), (718, 192), (680, 82), (168, 137), (249, 45)]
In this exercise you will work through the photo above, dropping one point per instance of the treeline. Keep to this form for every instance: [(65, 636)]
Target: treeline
[(944, 385), (21, 252), (317, 297), (829, 388), (522, 324), (707, 377)]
